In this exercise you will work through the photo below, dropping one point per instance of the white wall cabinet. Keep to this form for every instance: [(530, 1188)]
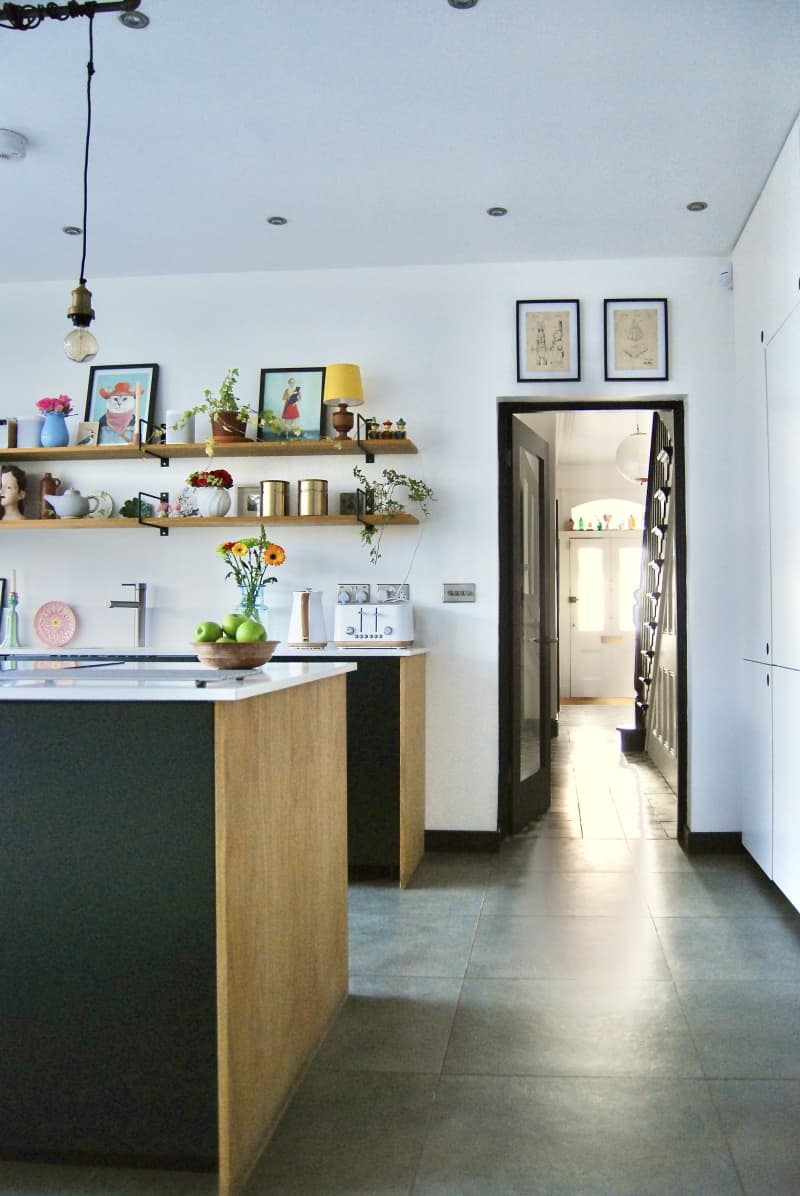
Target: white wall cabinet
[(755, 730), (786, 784), (767, 269), (783, 424)]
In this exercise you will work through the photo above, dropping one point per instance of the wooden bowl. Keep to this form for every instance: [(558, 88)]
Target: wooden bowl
[(230, 655)]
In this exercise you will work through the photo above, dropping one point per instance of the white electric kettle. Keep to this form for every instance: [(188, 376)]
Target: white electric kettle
[(307, 622)]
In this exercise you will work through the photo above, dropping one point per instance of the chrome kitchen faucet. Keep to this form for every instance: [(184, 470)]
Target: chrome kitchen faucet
[(137, 603)]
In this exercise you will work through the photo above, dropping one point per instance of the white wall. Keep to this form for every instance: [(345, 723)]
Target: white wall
[(436, 346)]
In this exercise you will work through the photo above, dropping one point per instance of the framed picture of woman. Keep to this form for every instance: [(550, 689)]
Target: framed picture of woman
[(294, 398)]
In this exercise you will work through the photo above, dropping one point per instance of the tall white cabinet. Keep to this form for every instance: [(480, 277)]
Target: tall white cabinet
[(767, 298)]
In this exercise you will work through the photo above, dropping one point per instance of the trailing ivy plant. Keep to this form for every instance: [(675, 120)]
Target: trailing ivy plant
[(380, 499), (225, 402)]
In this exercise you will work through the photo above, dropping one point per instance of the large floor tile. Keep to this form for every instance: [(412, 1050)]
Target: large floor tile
[(760, 1119), (392, 1023), (423, 901), (731, 948), (495, 1136), (745, 1029), (348, 1134), (561, 1027), (600, 894), (709, 893), (567, 947), (560, 855), (408, 944)]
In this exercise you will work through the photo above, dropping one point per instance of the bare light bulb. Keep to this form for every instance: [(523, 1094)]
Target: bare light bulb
[(80, 345)]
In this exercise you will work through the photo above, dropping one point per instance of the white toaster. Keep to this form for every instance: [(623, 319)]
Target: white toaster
[(374, 625)]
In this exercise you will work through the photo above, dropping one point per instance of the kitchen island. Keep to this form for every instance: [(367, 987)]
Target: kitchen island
[(173, 905)]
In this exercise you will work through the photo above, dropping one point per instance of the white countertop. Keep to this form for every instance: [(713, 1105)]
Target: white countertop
[(330, 652), (152, 681)]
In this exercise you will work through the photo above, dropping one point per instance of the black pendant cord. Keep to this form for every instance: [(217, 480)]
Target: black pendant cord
[(89, 74)]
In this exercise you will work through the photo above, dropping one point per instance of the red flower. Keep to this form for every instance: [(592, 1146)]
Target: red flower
[(210, 477)]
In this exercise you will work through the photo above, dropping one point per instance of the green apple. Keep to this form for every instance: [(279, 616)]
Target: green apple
[(250, 632), (230, 624), (208, 632)]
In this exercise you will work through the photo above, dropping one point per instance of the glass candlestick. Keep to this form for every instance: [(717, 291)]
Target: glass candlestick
[(11, 637)]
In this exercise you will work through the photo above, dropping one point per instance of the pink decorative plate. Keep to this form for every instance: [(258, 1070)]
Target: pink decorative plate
[(55, 624)]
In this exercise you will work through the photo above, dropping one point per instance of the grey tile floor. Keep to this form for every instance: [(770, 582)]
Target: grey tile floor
[(588, 1013)]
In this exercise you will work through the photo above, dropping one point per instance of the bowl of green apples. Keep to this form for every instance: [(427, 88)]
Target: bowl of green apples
[(235, 642)]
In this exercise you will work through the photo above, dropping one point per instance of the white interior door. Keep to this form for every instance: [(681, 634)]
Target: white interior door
[(604, 572)]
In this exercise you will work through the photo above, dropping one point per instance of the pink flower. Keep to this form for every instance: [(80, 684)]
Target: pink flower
[(62, 404)]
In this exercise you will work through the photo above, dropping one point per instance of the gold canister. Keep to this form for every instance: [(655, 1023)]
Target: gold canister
[(312, 496), (274, 498)]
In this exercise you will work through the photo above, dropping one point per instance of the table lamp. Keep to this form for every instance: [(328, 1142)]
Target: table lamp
[(343, 387)]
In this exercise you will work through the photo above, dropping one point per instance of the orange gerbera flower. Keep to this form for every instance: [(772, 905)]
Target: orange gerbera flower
[(274, 555)]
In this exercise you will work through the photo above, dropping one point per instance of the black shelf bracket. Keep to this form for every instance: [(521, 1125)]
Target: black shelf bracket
[(152, 434), (148, 520), (362, 514), (369, 456)]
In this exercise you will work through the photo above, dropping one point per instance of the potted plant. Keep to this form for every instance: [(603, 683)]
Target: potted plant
[(228, 414), (379, 499)]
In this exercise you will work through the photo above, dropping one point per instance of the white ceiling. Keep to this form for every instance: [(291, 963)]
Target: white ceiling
[(383, 129)]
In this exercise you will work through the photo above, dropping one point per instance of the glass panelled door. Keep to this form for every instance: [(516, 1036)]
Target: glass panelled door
[(533, 619), (604, 572)]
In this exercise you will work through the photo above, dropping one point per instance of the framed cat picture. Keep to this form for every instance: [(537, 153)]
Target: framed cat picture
[(119, 398)]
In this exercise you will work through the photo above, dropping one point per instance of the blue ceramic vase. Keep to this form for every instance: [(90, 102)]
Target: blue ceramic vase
[(55, 433)]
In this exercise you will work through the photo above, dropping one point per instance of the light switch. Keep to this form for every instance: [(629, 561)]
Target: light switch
[(458, 591)]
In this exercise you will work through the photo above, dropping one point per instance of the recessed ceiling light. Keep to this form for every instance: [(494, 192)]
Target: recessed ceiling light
[(72, 230), (697, 205), (462, 3), (497, 211), (13, 146), (134, 20), (277, 220)]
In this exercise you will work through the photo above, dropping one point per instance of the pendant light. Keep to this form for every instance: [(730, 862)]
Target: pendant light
[(633, 457), (80, 344)]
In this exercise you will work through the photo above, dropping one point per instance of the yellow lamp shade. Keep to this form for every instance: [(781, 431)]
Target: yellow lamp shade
[(343, 385)]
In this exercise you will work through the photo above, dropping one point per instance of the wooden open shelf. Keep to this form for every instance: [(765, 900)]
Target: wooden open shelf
[(241, 448), (90, 524)]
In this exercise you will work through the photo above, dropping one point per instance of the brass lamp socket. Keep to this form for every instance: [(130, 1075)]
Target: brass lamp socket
[(81, 312)]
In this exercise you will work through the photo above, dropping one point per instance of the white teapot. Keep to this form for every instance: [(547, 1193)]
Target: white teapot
[(72, 504)]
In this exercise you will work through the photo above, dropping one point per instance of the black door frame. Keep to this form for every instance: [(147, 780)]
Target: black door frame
[(506, 410)]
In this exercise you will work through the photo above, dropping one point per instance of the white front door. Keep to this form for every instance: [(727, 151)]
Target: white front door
[(604, 570)]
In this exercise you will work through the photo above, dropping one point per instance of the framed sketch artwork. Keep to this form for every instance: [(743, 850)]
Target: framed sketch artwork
[(636, 340), (548, 340), (118, 397)]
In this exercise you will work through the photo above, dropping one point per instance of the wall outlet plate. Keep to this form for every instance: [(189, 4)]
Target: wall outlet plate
[(352, 592), (390, 591)]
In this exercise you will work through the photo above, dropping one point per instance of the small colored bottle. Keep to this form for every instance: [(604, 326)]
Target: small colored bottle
[(631, 522), (580, 524)]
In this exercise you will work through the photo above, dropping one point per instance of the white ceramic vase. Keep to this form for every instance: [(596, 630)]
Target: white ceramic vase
[(212, 501)]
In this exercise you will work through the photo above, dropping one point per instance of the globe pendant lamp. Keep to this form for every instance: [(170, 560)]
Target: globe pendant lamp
[(343, 389), (633, 457), (80, 344)]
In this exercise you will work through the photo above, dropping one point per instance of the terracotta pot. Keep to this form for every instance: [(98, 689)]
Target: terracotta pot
[(227, 426)]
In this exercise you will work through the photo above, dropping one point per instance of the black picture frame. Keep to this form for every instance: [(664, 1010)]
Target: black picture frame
[(636, 340), (294, 396), (548, 340), (119, 383)]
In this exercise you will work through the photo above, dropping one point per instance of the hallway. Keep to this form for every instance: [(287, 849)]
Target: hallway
[(588, 1013)]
